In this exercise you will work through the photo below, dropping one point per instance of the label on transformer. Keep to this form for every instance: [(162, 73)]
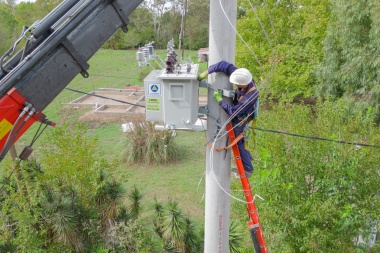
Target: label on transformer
[(153, 104), (154, 89), (5, 127)]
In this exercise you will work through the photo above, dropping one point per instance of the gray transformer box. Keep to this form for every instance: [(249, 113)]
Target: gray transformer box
[(173, 98), (154, 97)]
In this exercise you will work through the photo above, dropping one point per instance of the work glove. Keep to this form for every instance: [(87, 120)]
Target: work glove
[(202, 75), (218, 96)]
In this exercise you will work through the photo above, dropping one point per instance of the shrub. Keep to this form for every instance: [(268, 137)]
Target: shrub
[(147, 145)]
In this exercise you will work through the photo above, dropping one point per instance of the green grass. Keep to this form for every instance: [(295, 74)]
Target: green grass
[(178, 180)]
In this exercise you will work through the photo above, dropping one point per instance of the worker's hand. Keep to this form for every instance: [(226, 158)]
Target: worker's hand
[(202, 75), (218, 96)]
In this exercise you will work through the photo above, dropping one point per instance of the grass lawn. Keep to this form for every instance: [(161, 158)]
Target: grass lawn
[(180, 181)]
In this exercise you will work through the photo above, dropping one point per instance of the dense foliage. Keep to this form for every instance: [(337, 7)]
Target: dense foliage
[(281, 44), (351, 50), (151, 21), (319, 195), (69, 203)]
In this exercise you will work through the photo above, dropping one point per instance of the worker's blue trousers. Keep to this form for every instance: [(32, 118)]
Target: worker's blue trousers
[(245, 155)]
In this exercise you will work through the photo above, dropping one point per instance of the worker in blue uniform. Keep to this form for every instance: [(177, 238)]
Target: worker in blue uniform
[(244, 104)]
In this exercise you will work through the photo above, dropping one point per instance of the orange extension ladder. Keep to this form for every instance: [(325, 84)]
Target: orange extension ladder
[(254, 226)]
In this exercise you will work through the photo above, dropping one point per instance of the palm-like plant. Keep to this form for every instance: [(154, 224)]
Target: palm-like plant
[(177, 232), (135, 197), (192, 242), (235, 237), (174, 226), (159, 211), (109, 197), (61, 217)]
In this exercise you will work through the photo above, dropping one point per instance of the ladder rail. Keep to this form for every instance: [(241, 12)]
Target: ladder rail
[(254, 222)]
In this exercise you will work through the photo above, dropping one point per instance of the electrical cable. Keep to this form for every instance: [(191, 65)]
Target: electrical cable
[(233, 27), (9, 177), (274, 52), (11, 136), (116, 77), (10, 51), (291, 134), (252, 98), (317, 138), (38, 134), (273, 131), (35, 137), (261, 24), (7, 146), (99, 96)]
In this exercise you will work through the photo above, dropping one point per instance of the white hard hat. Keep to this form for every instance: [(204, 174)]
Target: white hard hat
[(241, 76)]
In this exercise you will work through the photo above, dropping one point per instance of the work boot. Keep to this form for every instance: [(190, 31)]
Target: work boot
[(248, 174)]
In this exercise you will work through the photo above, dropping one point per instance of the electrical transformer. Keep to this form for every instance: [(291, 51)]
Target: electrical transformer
[(172, 97)]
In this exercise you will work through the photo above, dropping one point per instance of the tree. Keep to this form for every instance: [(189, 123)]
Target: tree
[(157, 8), (140, 28), (43, 7), (197, 22), (27, 13), (282, 43), (351, 50), (8, 27)]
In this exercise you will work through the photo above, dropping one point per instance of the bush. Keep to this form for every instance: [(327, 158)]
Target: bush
[(149, 146)]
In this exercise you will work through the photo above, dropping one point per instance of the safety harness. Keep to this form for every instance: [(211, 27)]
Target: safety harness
[(250, 130)]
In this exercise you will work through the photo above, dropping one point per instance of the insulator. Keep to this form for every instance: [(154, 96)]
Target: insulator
[(173, 56), (169, 69), (169, 63), (146, 52), (139, 56), (150, 47)]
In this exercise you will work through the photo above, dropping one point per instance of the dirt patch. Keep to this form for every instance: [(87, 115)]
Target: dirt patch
[(114, 105), (122, 118)]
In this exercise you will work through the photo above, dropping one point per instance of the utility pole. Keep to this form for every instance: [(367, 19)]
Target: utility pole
[(222, 41), (181, 49)]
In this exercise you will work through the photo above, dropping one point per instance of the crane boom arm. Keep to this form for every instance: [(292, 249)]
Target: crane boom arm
[(58, 49)]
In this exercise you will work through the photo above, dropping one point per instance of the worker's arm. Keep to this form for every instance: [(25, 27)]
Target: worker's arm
[(244, 106), (222, 66)]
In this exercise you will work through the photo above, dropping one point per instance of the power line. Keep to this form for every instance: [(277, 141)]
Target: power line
[(241, 38), (129, 78), (317, 138), (99, 96)]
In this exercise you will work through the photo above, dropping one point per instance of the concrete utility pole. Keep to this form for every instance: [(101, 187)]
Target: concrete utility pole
[(222, 41)]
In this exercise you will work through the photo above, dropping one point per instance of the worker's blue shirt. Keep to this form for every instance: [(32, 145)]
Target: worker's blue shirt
[(247, 103), (222, 66)]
